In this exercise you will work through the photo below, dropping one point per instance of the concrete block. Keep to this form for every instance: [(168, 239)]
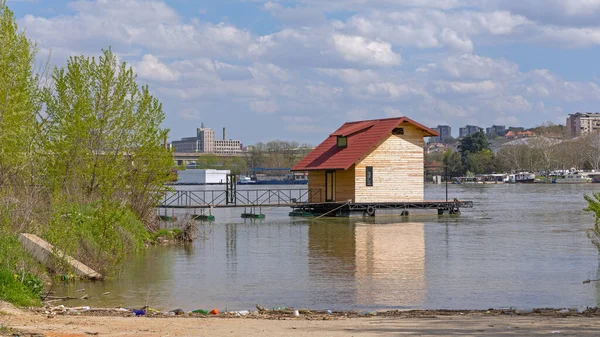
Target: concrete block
[(42, 251)]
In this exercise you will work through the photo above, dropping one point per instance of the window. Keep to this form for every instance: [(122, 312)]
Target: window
[(398, 131), (342, 142), (369, 176)]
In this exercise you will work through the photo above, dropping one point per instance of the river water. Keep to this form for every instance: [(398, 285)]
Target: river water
[(521, 246)]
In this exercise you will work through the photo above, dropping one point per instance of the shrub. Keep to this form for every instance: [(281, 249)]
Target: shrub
[(101, 233), (594, 207), (19, 291)]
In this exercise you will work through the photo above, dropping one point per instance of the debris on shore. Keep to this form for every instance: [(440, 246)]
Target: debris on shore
[(280, 313)]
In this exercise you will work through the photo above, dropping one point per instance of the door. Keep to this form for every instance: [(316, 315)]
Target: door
[(330, 186)]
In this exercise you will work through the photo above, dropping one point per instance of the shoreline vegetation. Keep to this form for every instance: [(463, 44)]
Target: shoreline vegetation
[(83, 162)]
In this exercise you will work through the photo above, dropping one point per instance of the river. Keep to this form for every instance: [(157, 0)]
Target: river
[(521, 246)]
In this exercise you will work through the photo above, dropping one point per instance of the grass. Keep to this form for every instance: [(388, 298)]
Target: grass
[(15, 292), (168, 234)]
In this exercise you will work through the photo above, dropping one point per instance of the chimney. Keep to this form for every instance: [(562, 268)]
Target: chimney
[(224, 134)]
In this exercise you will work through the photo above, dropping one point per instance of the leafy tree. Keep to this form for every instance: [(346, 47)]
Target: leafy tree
[(209, 161), (473, 143), (453, 162), (18, 98), (104, 135)]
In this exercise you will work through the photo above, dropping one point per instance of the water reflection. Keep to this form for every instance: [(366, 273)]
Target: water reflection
[(375, 264), (390, 264)]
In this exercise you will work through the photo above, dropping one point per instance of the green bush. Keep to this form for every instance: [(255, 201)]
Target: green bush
[(19, 292), (594, 207), (101, 234)]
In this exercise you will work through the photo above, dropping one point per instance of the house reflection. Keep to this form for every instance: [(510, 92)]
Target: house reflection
[(379, 264)]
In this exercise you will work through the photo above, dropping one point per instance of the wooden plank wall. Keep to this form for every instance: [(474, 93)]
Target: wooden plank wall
[(316, 180), (397, 169), (345, 181)]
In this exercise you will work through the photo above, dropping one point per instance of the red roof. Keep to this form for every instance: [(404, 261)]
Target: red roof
[(363, 137)]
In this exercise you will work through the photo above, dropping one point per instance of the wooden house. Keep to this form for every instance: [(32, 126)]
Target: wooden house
[(372, 161)]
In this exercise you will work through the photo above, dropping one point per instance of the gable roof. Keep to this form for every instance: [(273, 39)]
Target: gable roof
[(363, 137)]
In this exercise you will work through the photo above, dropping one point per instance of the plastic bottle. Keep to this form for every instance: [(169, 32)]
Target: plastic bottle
[(201, 311)]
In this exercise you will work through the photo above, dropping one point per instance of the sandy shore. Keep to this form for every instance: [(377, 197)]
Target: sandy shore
[(28, 323)]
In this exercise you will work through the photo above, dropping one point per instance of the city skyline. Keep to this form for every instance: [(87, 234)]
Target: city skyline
[(271, 69)]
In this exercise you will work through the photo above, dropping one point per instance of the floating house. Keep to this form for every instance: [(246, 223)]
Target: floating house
[(372, 161)]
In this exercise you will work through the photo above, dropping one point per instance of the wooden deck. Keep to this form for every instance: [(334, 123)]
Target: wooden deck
[(370, 209)]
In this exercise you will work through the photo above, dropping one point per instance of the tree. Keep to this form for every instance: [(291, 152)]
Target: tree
[(104, 135), (475, 153), (453, 162), (18, 98), (591, 149), (473, 143)]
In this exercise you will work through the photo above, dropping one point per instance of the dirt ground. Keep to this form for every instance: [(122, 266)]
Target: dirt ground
[(15, 322)]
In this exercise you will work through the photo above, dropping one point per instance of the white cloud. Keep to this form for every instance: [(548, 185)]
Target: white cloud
[(151, 68), (471, 66), (360, 50), (463, 88)]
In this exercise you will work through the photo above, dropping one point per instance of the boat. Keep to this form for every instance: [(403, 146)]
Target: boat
[(245, 180), (523, 177), (465, 180), (574, 178), (295, 178)]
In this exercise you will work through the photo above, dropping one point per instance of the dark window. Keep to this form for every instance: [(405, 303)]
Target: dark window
[(342, 141), (398, 131), (369, 175)]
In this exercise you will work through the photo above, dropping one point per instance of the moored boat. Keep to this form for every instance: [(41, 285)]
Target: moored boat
[(523, 177), (574, 178)]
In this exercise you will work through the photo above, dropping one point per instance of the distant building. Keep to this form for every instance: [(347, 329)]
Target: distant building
[(579, 124), (445, 132), (495, 130), (468, 130), (228, 146), (205, 142)]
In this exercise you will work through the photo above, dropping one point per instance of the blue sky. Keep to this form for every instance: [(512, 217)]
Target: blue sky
[(295, 70)]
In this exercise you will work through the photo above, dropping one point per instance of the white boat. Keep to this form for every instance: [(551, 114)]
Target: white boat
[(523, 177), (574, 178), (245, 180)]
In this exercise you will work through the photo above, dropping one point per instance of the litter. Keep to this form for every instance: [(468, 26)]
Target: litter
[(296, 313), (201, 311), (177, 312), (140, 312), (214, 312), (242, 313)]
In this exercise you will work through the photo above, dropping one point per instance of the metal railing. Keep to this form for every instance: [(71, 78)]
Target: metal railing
[(240, 198)]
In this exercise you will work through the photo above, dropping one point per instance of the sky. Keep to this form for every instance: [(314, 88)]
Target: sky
[(297, 69)]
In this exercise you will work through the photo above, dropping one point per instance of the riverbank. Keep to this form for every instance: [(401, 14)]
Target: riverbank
[(420, 323)]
